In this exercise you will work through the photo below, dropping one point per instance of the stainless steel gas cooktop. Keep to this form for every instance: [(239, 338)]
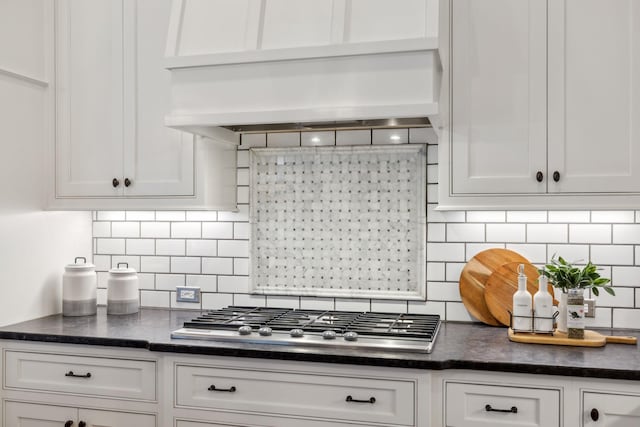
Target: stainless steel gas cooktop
[(338, 329)]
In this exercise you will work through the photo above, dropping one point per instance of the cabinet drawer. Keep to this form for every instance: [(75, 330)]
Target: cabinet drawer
[(607, 409), (97, 376), (373, 401), (470, 405)]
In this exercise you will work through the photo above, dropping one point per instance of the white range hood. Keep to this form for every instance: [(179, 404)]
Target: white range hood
[(253, 62)]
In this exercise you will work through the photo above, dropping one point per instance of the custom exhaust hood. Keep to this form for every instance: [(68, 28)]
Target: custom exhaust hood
[(265, 65)]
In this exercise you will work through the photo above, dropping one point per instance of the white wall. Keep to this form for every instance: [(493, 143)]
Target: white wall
[(34, 245)]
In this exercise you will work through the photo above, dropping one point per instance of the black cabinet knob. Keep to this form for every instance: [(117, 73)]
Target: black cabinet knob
[(127, 182), (556, 176), (595, 415), (82, 424), (539, 176), (115, 182), (68, 423)]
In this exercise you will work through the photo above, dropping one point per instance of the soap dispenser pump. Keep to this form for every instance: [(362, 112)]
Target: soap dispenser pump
[(522, 304)]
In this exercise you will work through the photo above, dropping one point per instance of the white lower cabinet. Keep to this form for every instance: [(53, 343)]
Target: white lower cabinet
[(18, 414), (610, 410), (476, 405)]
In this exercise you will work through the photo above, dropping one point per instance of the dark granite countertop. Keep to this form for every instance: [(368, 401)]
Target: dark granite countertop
[(458, 346)]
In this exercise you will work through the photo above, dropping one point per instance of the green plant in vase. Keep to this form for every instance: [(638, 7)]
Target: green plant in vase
[(567, 277)]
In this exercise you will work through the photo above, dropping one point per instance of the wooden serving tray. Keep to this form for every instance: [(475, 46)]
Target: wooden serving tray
[(591, 339)]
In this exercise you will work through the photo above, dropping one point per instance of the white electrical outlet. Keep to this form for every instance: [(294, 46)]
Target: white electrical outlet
[(187, 294)]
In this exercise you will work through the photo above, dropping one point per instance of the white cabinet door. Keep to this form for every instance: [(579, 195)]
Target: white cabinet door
[(610, 410), (89, 96), (158, 161), (498, 96), (594, 95), (19, 414), (94, 418)]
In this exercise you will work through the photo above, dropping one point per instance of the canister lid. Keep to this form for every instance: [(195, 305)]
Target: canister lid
[(122, 270), (80, 264)]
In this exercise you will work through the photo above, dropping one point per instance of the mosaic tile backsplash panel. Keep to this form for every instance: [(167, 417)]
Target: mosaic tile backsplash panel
[(211, 249), (339, 221)]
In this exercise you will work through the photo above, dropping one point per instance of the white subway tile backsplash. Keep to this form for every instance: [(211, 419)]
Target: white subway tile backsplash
[(125, 229), (233, 284), (233, 248), (217, 230), (420, 136), (390, 136), (624, 297), (140, 215), (130, 261), (158, 299), (284, 302), (243, 159), (314, 139), (569, 216), (453, 270), (590, 233), (190, 265), (188, 230), (436, 271), (311, 303), (445, 251), (434, 215), (625, 276), (436, 232), (241, 216), (602, 319), (432, 174), (485, 216), (102, 296), (241, 266), (242, 194), (428, 307), (535, 253), (249, 140), (612, 254), (243, 177), (168, 282), (576, 254), (202, 215), (283, 139), (626, 233), (140, 246), (102, 279), (147, 280), (457, 313), (637, 298), (352, 304), (547, 233), (205, 248), (506, 233), (102, 262), (465, 233), (626, 318), (206, 283), (389, 306), (241, 230), (111, 216), (248, 300), (155, 264), (471, 249), (214, 301), (101, 229), (171, 216), (170, 247), (110, 246), (443, 291), (155, 230), (613, 216), (353, 137), (432, 154), (217, 266), (527, 216)]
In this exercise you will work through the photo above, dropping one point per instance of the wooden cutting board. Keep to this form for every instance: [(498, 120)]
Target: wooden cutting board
[(591, 339), (503, 283), (474, 276)]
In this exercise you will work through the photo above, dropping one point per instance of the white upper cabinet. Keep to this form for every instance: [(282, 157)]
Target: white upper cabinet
[(112, 148), (541, 108), (594, 95), (498, 115)]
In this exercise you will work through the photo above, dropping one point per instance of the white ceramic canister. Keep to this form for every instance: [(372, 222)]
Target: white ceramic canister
[(122, 290), (79, 289)]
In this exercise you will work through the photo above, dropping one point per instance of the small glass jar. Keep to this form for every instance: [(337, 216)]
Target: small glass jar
[(575, 313)]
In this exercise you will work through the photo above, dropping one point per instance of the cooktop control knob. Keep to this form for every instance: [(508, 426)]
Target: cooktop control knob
[(296, 333), (265, 331), (329, 335), (351, 336), (244, 330)]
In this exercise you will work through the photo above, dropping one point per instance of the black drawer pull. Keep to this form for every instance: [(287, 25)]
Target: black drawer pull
[(595, 415), (82, 424), (71, 374), (231, 389), (351, 399), (513, 409), (68, 423)]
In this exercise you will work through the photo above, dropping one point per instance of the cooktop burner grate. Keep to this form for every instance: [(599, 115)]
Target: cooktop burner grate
[(413, 332)]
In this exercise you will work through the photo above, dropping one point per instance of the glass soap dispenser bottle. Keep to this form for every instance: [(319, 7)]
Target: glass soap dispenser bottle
[(522, 304)]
